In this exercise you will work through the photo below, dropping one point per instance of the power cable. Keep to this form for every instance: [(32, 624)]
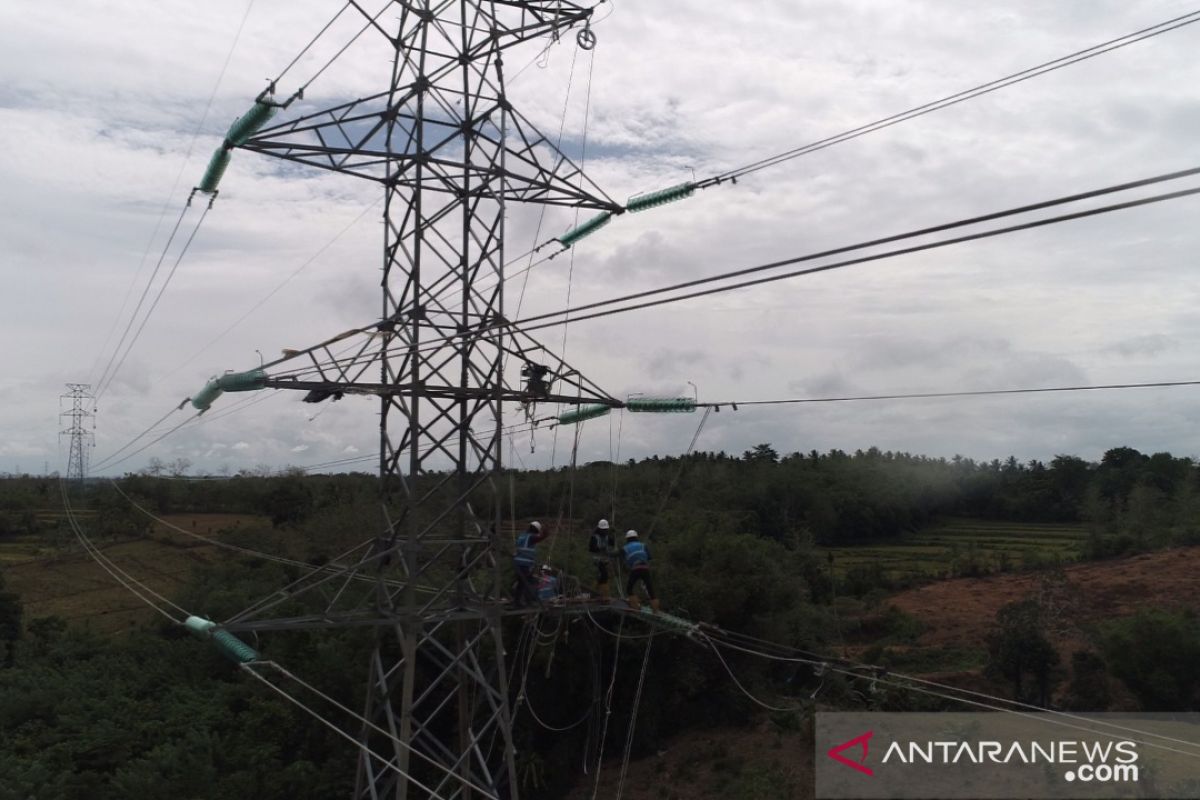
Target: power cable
[(383, 760), (161, 289), (718, 636), (101, 463), (252, 400), (313, 41), (549, 319), (958, 97), (524, 324), (108, 565), (148, 445), (662, 506), (278, 287), (246, 551), (945, 102), (562, 126), (370, 22), (145, 291), (524, 695), (637, 704), (975, 393), (166, 203), (527, 328), (1043, 717), (612, 684), (733, 676)]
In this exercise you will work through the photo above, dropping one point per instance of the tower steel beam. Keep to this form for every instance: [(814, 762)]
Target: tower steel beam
[(450, 152)]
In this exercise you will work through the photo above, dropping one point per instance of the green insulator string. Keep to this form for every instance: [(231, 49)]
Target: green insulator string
[(586, 229), (238, 134), (582, 414), (675, 405), (249, 381), (643, 202), (230, 646), (248, 124), (215, 171)]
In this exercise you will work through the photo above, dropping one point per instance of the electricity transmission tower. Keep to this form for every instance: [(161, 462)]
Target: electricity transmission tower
[(81, 438), (450, 153)]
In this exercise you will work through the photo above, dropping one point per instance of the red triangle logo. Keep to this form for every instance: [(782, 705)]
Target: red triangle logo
[(835, 753)]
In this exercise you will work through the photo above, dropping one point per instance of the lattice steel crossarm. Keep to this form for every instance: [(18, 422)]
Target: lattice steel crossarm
[(323, 372), (450, 152)]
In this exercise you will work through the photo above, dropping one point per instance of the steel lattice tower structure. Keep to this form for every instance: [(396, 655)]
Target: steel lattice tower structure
[(450, 152), (81, 439)]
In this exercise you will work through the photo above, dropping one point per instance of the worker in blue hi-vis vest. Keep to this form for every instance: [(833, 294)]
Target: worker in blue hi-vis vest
[(603, 548), (637, 559), (524, 560), (547, 587)]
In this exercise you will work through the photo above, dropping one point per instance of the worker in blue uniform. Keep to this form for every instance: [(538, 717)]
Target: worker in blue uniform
[(637, 560), (524, 559)]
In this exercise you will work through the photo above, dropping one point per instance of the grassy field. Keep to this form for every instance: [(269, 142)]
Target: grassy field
[(957, 547), (60, 579)]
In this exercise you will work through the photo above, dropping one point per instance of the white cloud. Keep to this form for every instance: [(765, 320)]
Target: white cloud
[(100, 102)]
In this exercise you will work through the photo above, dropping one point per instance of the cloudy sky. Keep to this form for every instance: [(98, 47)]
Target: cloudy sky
[(103, 130)]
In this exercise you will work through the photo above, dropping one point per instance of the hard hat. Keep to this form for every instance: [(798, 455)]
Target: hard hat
[(602, 524), (546, 568), (630, 534), (537, 526)]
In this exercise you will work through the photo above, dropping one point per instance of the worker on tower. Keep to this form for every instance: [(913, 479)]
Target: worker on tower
[(603, 548), (637, 559), (524, 560), (537, 380), (548, 588)]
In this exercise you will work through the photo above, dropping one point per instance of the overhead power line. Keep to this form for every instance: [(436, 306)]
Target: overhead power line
[(157, 297), (100, 382), (162, 214), (149, 444), (958, 97), (926, 395), (936, 105), (278, 287), (615, 305), (607, 305)]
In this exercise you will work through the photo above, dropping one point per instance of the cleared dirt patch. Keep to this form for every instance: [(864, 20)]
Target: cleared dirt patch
[(962, 611)]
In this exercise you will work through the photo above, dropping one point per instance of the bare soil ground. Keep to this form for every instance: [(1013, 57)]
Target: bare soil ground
[(960, 612)]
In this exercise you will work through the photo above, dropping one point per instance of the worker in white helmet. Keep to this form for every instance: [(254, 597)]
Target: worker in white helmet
[(603, 548), (524, 559), (637, 559)]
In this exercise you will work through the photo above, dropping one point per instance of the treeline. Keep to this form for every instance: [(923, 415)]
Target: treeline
[(156, 714), (1129, 499)]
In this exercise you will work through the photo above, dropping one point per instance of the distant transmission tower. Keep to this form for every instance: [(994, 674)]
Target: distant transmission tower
[(450, 152), (81, 437)]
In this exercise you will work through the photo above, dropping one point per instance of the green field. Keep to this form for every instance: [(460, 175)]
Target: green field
[(956, 547)]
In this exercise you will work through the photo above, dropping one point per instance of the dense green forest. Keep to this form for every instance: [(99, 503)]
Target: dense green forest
[(737, 542), (1131, 499)]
